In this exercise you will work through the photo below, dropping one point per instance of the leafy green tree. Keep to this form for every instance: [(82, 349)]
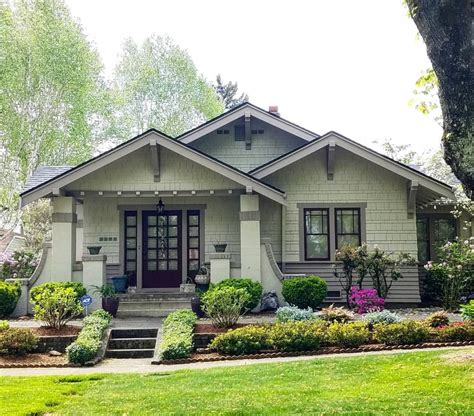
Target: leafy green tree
[(228, 93), (426, 99), (446, 28), (156, 84)]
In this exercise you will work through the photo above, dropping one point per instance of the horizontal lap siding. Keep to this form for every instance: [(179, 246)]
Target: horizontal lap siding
[(405, 290)]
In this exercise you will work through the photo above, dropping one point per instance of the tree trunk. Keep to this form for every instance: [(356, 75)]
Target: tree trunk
[(445, 26)]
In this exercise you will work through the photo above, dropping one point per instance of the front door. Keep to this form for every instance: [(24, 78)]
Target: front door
[(162, 266)]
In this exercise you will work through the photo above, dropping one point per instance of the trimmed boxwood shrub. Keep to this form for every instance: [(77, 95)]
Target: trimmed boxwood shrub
[(247, 340), (401, 333), (177, 338), (297, 336), (350, 335), (253, 288), (17, 341), (9, 295), (88, 342), (305, 292), (50, 287)]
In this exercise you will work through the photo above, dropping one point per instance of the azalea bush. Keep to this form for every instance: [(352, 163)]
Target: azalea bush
[(20, 265), (455, 271), (365, 300)]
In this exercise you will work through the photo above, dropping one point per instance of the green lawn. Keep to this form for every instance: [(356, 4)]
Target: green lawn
[(423, 383)]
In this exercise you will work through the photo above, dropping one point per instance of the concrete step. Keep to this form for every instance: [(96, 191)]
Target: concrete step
[(154, 304), (134, 333), (156, 296), (130, 353), (145, 313), (132, 343)]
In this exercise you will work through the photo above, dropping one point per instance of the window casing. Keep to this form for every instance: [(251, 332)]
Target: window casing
[(193, 242), (433, 231), (316, 234), (131, 240), (348, 229)]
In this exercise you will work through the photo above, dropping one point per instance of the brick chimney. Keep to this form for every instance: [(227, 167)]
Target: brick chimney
[(273, 109)]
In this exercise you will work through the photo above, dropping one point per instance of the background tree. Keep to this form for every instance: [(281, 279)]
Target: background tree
[(445, 27), (156, 84), (228, 93), (51, 93)]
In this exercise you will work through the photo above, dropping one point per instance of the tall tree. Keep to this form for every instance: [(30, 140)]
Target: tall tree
[(156, 84), (228, 93), (51, 92), (445, 27)]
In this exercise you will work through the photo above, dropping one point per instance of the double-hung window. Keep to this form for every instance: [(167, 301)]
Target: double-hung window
[(316, 238), (347, 227)]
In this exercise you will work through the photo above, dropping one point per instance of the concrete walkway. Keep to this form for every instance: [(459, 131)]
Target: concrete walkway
[(117, 366)]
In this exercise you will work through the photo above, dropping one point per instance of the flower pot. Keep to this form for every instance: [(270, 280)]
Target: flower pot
[(202, 279), (196, 306), (94, 250), (110, 305), (220, 248), (120, 283)]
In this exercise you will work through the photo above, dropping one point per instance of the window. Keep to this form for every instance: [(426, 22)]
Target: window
[(316, 234), (423, 239), (194, 244), (131, 246), (444, 231), (347, 226), (433, 231)]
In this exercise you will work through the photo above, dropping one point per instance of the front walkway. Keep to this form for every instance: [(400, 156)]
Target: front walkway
[(116, 366)]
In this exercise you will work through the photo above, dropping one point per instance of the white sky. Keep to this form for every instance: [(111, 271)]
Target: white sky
[(342, 65)]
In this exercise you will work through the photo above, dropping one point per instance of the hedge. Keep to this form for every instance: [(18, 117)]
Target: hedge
[(88, 342), (305, 292), (177, 337)]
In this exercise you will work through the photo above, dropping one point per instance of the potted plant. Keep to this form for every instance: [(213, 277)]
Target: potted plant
[(202, 278), (220, 247), (196, 304), (110, 300), (94, 250), (120, 283)]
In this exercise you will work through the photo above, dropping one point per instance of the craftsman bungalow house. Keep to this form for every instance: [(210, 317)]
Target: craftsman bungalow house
[(281, 197)]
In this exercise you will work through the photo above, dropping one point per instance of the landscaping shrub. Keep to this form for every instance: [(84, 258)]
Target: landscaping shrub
[(437, 319), (247, 340), (253, 288), (293, 313), (365, 300), (382, 317), (50, 287), (177, 339), (56, 307), (17, 341), (352, 334), (20, 265), (467, 311), (4, 325), (88, 342), (224, 305), (304, 292), (336, 314), (405, 332), (458, 331), (297, 336), (9, 295)]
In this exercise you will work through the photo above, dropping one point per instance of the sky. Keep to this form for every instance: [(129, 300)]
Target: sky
[(342, 65)]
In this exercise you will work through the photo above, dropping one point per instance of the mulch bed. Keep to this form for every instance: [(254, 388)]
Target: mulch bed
[(211, 329), (43, 331), (211, 356), (33, 360)]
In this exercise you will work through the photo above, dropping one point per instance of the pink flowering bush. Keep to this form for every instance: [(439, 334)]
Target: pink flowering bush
[(365, 300), (20, 265)]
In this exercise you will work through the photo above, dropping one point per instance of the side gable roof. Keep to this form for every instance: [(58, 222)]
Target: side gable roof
[(358, 149), (241, 111), (53, 184)]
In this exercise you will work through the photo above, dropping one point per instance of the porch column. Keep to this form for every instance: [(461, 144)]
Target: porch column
[(64, 237), (250, 237), (94, 274)]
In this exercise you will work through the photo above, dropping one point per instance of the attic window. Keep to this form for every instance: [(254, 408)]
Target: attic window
[(257, 131), (223, 131), (239, 133)]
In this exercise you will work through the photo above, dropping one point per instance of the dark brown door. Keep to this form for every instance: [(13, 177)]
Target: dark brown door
[(162, 249)]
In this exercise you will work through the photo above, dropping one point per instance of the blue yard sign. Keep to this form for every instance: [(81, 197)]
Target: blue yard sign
[(85, 300)]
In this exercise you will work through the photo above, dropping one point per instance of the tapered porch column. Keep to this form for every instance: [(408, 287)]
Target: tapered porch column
[(64, 237), (250, 237)]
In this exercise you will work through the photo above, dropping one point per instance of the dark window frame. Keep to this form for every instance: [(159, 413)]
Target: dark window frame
[(197, 213), (131, 273), (327, 234), (359, 225), (431, 218)]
